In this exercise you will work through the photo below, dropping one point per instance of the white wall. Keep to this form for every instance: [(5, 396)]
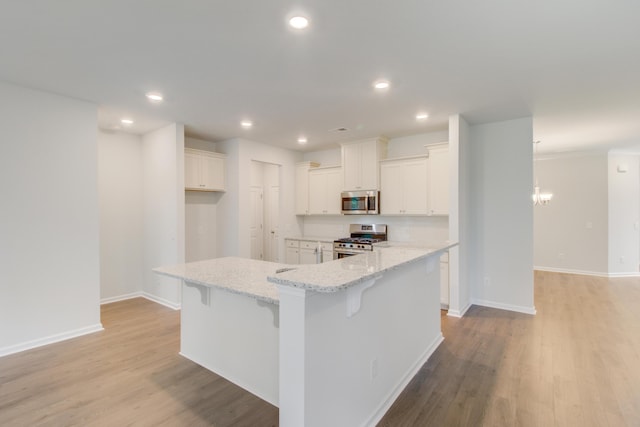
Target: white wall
[(201, 215), (415, 144), (326, 158), (624, 214), (49, 226), (571, 231), (500, 260), (121, 215), (164, 205), (234, 206)]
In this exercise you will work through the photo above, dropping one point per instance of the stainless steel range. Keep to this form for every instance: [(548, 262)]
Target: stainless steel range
[(362, 239)]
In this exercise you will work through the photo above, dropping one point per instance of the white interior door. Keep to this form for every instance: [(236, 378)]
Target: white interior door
[(273, 215), (256, 226)]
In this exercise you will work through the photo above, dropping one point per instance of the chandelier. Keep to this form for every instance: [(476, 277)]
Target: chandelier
[(538, 197)]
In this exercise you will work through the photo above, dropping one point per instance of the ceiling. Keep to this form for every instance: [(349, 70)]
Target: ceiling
[(573, 65)]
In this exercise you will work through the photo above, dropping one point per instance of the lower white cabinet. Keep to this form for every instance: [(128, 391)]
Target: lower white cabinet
[(444, 280), (306, 251)]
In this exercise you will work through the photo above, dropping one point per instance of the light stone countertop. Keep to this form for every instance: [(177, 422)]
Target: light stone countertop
[(238, 275), (311, 239), (258, 279), (340, 274)]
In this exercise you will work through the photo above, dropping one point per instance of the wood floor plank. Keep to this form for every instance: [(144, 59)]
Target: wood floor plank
[(575, 363)]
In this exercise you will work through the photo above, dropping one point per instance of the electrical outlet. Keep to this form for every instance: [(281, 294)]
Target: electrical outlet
[(621, 260), (589, 225), (374, 368), (561, 255), (487, 282)]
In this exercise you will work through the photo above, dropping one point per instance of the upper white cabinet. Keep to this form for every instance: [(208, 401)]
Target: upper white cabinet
[(360, 163), (302, 186), (324, 191), (204, 170), (438, 179), (403, 186)]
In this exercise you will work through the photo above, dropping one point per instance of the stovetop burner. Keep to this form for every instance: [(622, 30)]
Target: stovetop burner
[(359, 240)]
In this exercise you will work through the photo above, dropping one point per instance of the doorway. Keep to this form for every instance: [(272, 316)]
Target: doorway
[(264, 195)]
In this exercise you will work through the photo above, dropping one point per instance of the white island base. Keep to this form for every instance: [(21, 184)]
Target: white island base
[(324, 354)]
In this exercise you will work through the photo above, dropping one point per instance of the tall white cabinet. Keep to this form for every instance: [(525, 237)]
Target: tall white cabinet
[(403, 189), (360, 163), (324, 191), (302, 186), (438, 179)]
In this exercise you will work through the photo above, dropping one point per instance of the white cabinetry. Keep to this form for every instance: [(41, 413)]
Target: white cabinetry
[(306, 251), (360, 163), (324, 191), (403, 186), (302, 186), (438, 179), (292, 251), (444, 280), (204, 170)]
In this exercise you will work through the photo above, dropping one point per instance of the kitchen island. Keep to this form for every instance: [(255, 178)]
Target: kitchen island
[(329, 344)]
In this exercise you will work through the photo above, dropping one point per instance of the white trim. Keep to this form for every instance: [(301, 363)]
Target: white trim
[(459, 313), (501, 306), (402, 384), (630, 274), (570, 271), (161, 301), (5, 351), (587, 273), (120, 298)]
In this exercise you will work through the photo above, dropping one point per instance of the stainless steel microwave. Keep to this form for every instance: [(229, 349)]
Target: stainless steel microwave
[(360, 202)]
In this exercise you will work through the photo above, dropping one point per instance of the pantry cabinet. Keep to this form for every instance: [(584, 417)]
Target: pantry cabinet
[(360, 164), (438, 179), (204, 170), (302, 186), (403, 186), (324, 191)]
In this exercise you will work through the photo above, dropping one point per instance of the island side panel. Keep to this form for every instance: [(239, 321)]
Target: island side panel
[(355, 367), (233, 335)]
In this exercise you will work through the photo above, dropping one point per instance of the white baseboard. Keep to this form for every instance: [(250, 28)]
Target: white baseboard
[(5, 351), (402, 384), (501, 306), (458, 313), (587, 273), (162, 301), (121, 298)]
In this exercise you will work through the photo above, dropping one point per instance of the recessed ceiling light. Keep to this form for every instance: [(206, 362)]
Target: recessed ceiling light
[(421, 116), (154, 96), (381, 84), (299, 22), (302, 140), (246, 124), (126, 121)]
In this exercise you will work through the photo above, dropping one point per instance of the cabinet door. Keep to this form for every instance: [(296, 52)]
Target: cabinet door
[(351, 163), (439, 181), (307, 256), (317, 192), (291, 256), (444, 283), (212, 172), (369, 165), (391, 191), (333, 202), (192, 171), (327, 255), (302, 190), (415, 187)]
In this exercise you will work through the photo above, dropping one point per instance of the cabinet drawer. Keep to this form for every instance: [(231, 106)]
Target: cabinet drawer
[(292, 243), (327, 246)]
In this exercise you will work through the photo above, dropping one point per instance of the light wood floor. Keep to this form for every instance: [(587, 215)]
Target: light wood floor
[(576, 363)]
